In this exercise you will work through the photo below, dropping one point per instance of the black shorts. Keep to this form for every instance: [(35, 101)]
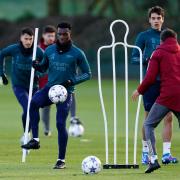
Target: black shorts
[(151, 95)]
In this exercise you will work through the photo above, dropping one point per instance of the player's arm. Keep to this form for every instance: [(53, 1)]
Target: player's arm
[(150, 77), (39, 58), (41, 64), (40, 54), (140, 42), (152, 72), (85, 71), (4, 53), (84, 67)]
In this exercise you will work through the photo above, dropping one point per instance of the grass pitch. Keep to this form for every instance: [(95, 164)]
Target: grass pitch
[(39, 163)]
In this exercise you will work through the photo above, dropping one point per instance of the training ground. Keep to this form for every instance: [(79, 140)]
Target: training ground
[(39, 163)]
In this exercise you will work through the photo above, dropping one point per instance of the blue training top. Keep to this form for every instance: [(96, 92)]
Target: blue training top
[(148, 42), (63, 66), (21, 64)]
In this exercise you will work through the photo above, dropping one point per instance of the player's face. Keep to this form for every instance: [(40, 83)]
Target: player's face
[(63, 35), (49, 38), (27, 40), (156, 21)]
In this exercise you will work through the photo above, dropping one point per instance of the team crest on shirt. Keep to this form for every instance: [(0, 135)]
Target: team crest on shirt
[(52, 56)]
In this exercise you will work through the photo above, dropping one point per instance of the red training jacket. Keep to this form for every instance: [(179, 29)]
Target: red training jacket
[(165, 61)]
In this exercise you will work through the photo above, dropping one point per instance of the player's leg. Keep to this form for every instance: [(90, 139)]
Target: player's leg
[(145, 150), (22, 97), (156, 114), (167, 135), (61, 116), (167, 129), (73, 106), (74, 119), (39, 100), (148, 100), (45, 116)]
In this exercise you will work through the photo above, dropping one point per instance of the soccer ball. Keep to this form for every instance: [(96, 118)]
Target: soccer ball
[(57, 93), (91, 165), (76, 130)]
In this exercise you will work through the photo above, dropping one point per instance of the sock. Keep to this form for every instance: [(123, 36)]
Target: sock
[(37, 139), (63, 160), (145, 146), (153, 158), (166, 147)]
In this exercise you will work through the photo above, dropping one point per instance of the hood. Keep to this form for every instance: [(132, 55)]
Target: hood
[(170, 45)]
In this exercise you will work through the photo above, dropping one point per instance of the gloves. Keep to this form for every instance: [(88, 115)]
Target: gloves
[(67, 83), (3, 79), (35, 65)]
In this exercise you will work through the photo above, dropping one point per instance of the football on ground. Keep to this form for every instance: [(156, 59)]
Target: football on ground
[(91, 165)]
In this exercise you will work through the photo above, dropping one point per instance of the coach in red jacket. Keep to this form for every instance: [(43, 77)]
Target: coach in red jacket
[(164, 62)]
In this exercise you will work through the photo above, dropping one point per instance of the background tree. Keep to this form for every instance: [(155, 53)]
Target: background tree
[(54, 7)]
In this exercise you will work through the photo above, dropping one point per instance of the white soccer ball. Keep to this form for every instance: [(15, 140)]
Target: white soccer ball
[(76, 130), (57, 94), (91, 165)]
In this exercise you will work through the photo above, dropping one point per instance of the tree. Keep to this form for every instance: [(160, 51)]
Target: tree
[(104, 5), (54, 7)]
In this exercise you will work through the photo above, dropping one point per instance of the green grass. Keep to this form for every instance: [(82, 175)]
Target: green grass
[(39, 163)]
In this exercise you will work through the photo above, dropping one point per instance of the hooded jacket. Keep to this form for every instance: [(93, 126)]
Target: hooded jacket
[(165, 61)]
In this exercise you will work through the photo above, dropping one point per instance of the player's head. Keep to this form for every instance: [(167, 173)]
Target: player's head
[(49, 34), (156, 17), (27, 37), (64, 32), (168, 33)]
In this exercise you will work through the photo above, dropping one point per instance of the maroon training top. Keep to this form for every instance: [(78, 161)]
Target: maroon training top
[(43, 80), (165, 61)]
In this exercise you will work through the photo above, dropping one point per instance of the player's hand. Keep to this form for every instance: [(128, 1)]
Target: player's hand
[(67, 83), (3, 79), (35, 65), (135, 95), (146, 61)]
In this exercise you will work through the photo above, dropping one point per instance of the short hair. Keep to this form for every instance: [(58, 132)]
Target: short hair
[(168, 33), (156, 9), (49, 29), (27, 30), (64, 25)]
